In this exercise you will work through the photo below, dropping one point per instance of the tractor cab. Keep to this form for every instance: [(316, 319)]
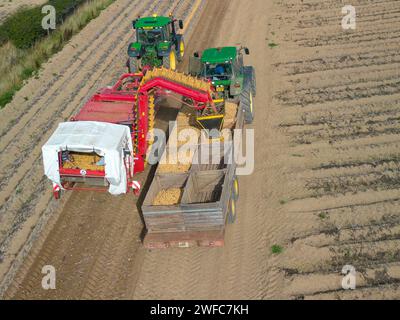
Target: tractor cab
[(218, 71), (150, 37), (157, 43), (223, 67)]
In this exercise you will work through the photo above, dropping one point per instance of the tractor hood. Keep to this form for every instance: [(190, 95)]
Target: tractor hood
[(151, 22), (221, 82), (219, 55)]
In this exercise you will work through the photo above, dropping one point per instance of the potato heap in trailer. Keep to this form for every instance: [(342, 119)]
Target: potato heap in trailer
[(106, 143)]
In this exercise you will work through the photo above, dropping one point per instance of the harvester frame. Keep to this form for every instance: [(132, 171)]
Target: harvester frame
[(131, 102)]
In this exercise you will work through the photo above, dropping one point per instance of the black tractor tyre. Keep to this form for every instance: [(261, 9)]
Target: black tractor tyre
[(133, 65), (250, 76), (247, 101), (167, 60)]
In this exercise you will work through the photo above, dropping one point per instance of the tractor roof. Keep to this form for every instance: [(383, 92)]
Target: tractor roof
[(154, 22), (218, 55)]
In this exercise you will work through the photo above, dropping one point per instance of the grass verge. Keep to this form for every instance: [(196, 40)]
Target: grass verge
[(18, 65)]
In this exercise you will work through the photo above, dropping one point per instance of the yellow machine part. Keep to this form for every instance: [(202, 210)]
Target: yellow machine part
[(211, 121)]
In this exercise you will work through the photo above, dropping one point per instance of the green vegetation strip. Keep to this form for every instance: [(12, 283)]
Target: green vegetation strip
[(24, 27), (25, 46)]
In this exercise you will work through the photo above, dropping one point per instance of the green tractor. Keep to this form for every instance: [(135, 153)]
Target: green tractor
[(157, 43), (231, 79)]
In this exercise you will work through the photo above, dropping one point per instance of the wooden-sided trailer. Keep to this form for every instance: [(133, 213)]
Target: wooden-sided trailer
[(207, 204)]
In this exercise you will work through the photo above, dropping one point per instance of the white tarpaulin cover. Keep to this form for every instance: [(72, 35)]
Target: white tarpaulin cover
[(106, 139)]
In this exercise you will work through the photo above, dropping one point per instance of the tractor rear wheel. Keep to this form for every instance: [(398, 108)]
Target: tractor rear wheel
[(250, 76), (133, 65), (246, 99), (169, 62)]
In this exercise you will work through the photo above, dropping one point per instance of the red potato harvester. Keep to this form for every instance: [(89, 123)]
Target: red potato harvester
[(82, 163)]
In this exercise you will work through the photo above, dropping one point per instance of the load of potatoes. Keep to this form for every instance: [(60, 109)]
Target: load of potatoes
[(186, 120)]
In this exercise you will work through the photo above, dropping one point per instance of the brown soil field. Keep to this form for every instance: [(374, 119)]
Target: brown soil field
[(325, 186), (338, 98)]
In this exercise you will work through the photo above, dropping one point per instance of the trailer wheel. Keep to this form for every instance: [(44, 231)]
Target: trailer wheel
[(232, 210), (235, 189), (133, 65), (246, 99)]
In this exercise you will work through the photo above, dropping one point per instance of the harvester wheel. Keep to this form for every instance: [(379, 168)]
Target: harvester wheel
[(235, 189), (133, 65), (246, 99), (169, 62), (232, 210)]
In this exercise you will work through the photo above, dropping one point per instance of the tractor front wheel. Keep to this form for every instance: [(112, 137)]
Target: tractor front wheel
[(169, 62), (133, 65), (181, 50)]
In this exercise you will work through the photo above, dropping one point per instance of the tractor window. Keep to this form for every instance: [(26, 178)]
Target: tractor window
[(218, 71), (150, 36), (169, 31), (165, 33)]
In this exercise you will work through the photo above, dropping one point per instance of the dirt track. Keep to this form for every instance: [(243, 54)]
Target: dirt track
[(325, 185)]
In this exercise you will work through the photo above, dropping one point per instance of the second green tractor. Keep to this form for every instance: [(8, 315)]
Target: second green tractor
[(225, 68), (157, 43)]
